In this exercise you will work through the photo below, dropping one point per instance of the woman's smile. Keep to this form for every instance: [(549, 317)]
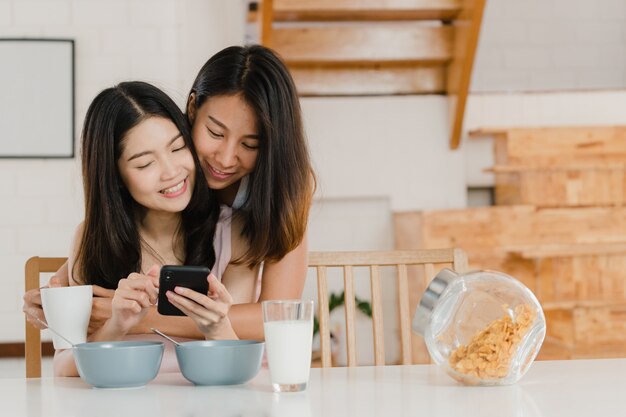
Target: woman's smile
[(217, 174), (176, 190)]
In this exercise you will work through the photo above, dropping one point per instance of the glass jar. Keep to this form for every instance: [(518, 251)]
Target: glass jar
[(482, 328)]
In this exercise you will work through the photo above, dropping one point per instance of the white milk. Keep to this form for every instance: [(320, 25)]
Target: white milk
[(288, 346)]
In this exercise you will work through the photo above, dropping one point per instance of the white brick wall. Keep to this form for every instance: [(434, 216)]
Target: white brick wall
[(101, 13), (6, 13), (43, 12), (551, 45), (144, 13), (158, 41)]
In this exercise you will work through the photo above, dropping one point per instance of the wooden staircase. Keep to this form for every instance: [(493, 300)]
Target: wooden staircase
[(377, 47)]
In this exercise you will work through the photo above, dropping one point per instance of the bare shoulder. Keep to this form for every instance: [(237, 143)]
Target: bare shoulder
[(78, 232)]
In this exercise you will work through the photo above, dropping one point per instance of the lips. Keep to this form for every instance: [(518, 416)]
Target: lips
[(219, 175), (175, 190)]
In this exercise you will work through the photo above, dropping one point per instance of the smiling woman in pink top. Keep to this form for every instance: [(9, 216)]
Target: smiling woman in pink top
[(247, 129)]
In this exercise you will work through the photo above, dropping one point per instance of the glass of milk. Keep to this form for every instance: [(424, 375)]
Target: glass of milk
[(288, 328)]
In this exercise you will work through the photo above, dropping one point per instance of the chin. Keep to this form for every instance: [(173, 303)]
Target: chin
[(217, 185)]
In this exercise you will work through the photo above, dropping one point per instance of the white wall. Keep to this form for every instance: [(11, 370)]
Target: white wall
[(549, 45), (392, 147)]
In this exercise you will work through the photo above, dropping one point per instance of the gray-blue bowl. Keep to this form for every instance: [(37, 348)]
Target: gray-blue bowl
[(118, 364), (220, 362)]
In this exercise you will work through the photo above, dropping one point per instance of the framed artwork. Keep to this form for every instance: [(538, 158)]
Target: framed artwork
[(37, 98)]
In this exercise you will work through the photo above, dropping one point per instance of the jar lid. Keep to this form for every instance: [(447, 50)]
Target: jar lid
[(429, 300)]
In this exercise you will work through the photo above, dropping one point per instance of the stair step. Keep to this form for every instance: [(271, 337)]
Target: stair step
[(368, 81), (383, 44), (365, 10)]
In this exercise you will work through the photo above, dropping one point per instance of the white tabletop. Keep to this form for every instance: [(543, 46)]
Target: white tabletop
[(556, 388)]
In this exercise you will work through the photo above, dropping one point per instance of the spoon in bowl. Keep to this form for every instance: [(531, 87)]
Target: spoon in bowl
[(164, 336)]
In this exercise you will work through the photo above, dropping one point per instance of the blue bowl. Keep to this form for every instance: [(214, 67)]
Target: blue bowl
[(220, 362), (118, 364)]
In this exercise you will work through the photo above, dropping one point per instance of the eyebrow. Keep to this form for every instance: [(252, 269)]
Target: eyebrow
[(223, 126), (140, 154)]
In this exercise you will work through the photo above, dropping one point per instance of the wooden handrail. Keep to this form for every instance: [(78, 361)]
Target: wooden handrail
[(467, 27), (266, 17)]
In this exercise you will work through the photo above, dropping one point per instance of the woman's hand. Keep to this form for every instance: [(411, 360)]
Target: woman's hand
[(209, 312), (101, 307), (32, 304), (131, 301)]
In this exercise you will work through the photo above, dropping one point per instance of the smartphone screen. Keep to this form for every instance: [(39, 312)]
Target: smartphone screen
[(193, 277)]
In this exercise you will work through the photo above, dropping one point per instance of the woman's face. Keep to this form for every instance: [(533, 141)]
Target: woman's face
[(156, 166), (226, 137)]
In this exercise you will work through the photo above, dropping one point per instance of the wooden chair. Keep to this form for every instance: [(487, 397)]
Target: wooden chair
[(374, 260), (35, 266)]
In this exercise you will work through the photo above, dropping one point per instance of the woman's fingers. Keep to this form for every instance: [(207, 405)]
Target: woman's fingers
[(217, 293), (141, 283), (201, 315), (134, 295), (195, 296), (220, 291), (132, 298), (129, 305), (209, 311), (194, 301), (32, 297), (32, 308), (54, 282), (99, 291)]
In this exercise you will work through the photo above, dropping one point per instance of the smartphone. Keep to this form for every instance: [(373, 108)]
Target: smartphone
[(193, 277)]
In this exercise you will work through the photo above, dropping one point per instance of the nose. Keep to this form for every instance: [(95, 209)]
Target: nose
[(226, 155), (169, 169)]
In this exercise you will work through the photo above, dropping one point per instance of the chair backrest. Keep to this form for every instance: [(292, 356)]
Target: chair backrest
[(426, 258), (35, 266)]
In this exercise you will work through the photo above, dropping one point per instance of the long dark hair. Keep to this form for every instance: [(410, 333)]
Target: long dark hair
[(110, 247), (281, 185)]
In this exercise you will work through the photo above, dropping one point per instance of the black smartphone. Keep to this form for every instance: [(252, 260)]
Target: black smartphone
[(193, 277)]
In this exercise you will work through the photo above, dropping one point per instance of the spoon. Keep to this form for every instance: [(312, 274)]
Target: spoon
[(165, 336), (43, 323)]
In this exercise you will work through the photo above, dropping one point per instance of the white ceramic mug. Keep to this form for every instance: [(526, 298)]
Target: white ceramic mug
[(288, 328), (67, 311)]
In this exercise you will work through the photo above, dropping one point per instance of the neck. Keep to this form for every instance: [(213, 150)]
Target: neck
[(227, 195), (159, 226)]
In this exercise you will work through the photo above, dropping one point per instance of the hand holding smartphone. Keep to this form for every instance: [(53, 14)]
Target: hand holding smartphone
[(192, 277)]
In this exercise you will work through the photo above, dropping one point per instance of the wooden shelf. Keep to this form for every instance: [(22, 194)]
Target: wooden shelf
[(365, 10), (317, 46), (383, 81)]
